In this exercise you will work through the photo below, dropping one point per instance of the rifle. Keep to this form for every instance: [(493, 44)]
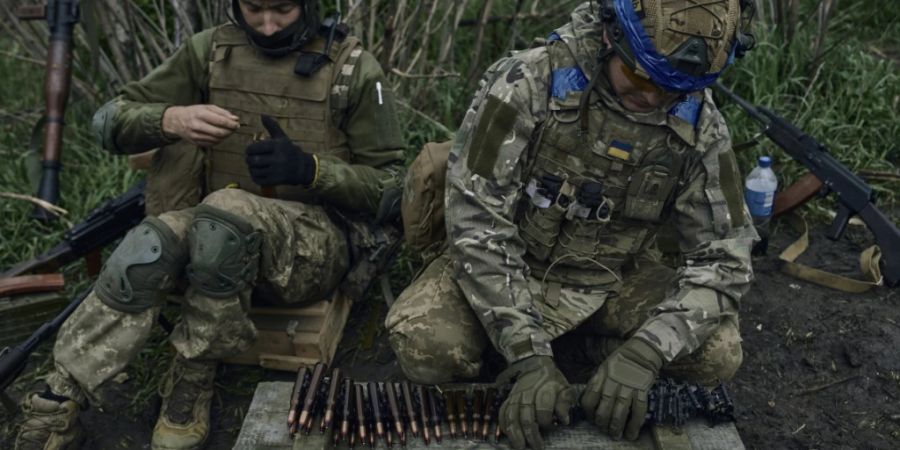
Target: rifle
[(855, 197), (106, 223), (61, 16), (13, 360)]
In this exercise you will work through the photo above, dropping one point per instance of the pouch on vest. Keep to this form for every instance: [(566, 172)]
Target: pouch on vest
[(648, 192), (422, 207), (550, 197)]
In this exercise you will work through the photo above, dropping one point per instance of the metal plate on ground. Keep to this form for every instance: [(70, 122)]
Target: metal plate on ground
[(265, 428)]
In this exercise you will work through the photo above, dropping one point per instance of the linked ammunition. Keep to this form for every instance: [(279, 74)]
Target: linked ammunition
[(300, 384), (410, 410), (311, 396), (450, 406), (376, 413), (461, 413), (386, 417), (489, 411), (393, 405), (334, 386), (346, 410), (424, 414), (361, 415), (435, 413), (477, 409)]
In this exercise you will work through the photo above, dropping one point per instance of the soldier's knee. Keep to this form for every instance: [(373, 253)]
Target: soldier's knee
[(142, 268), (717, 360), (430, 359), (728, 361), (224, 252), (431, 347)]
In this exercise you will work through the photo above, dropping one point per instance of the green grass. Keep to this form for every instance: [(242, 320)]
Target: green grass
[(849, 101)]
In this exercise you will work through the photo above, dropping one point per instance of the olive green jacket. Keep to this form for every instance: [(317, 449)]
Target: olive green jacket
[(132, 122)]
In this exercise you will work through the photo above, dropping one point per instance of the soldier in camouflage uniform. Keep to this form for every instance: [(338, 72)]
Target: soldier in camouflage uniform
[(570, 160), (330, 171)]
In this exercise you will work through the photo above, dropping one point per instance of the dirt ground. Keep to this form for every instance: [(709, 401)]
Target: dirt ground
[(821, 368)]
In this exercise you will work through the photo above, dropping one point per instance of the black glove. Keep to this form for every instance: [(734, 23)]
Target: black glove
[(277, 160), (541, 392)]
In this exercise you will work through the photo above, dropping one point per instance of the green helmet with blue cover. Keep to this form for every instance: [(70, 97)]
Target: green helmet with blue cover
[(680, 45)]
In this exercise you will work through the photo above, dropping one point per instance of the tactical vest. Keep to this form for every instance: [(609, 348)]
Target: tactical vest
[(639, 167), (309, 109)]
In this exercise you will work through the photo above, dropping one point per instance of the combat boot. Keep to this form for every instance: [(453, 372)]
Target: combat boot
[(49, 424), (186, 398)]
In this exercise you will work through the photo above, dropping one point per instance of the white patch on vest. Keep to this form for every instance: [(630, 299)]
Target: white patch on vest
[(347, 70), (378, 88)]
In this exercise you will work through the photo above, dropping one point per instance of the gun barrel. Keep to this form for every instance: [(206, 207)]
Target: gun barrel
[(744, 104)]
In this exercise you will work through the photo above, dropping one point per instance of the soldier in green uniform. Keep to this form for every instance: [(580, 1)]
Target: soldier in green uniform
[(570, 160), (309, 200)]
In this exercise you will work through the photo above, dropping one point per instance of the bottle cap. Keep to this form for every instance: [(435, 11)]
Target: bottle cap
[(765, 161)]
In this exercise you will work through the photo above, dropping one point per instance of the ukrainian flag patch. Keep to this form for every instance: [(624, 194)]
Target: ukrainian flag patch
[(619, 149)]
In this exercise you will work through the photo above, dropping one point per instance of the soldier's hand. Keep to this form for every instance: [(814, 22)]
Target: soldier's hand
[(277, 160), (540, 392), (202, 125), (616, 396)]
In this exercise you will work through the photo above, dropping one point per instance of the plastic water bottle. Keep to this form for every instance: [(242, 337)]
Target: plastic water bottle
[(759, 193)]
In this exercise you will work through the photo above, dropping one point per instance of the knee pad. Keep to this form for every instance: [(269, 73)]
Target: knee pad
[(143, 267), (224, 252)]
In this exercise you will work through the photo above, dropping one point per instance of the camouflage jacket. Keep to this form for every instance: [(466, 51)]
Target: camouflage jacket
[(131, 123), (485, 193)]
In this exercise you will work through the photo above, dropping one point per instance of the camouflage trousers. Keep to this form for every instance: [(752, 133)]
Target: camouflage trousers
[(437, 337), (303, 257)]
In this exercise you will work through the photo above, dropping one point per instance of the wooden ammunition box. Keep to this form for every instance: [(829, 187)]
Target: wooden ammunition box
[(22, 315), (291, 337)]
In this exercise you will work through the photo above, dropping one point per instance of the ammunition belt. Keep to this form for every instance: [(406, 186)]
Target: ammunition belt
[(363, 413)]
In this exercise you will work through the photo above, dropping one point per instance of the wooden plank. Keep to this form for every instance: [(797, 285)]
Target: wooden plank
[(333, 329), (316, 309), (288, 324), (286, 363)]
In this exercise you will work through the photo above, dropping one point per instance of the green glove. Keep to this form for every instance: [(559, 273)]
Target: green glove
[(616, 395), (540, 391)]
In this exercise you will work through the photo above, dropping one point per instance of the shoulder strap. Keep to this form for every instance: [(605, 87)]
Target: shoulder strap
[(868, 262)]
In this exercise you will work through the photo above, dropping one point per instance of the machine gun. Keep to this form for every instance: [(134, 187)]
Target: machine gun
[(61, 16), (855, 197), (106, 223)]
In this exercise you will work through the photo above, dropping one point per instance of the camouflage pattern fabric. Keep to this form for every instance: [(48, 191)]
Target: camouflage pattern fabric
[(304, 257), (528, 119), (438, 339)]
